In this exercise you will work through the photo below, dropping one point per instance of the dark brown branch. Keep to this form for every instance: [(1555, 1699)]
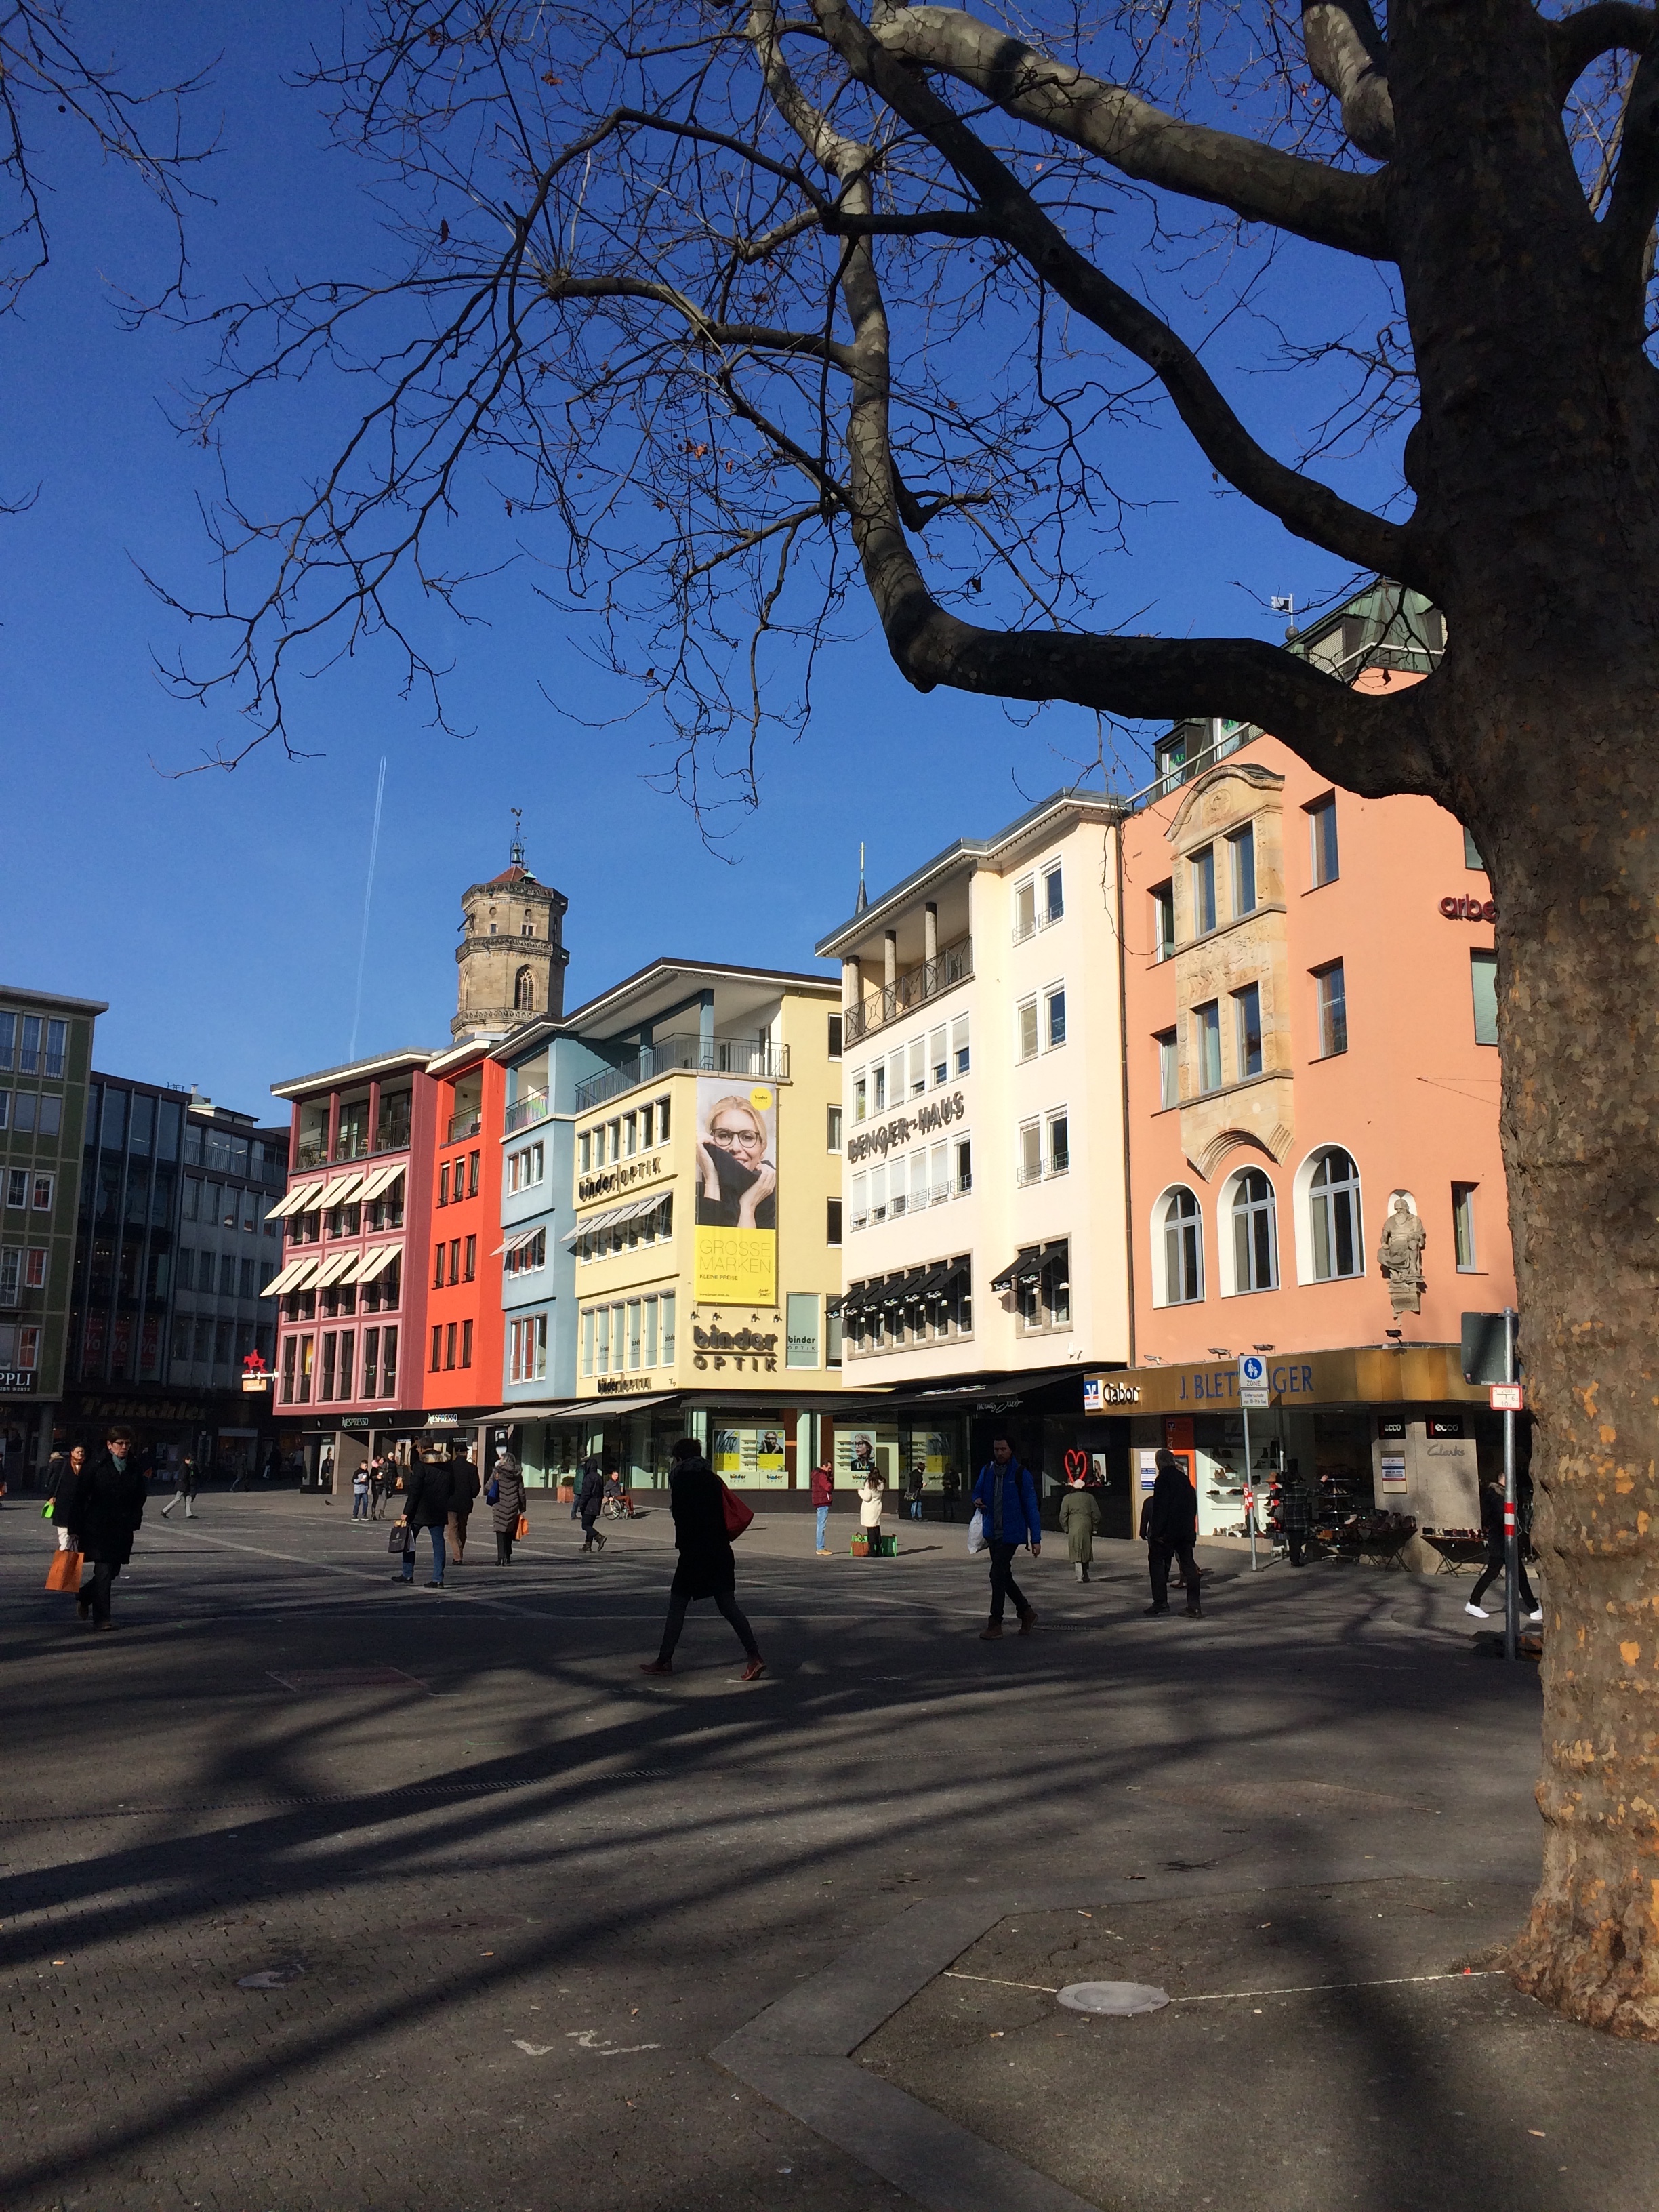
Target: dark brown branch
[(1633, 203), (1312, 510), (1257, 182), (942, 223), (754, 338), (1608, 26), (1346, 53)]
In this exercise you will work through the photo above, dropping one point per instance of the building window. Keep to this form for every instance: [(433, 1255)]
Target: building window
[(1025, 1029), (965, 1166), (1163, 934), (835, 1037), (587, 1341), (1207, 1044), (466, 1343), (388, 1363), (832, 1221), (523, 991), (443, 1184), (1483, 981), (1321, 830), (527, 1349), (437, 1267), (347, 1346), (17, 1186), (584, 1152), (40, 1192), (832, 1129), (1054, 897), (472, 1159), (1256, 1241), (1471, 855), (35, 1268), (1024, 910), (1045, 1297), (1169, 1067), (918, 1066), (959, 1053), (1183, 1249), (1333, 1216), (290, 1346), (1202, 867), (307, 1352), (1463, 1227), (1241, 851), (1060, 1144), (371, 1361), (1247, 1029), (449, 1344), (1054, 1016), (471, 1268), (1332, 990), (437, 1346), (1030, 1151), (665, 1305), (454, 1259)]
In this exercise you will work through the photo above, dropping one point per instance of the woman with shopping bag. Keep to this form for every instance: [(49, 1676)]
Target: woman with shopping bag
[(104, 1510), (505, 1498), (871, 1495)]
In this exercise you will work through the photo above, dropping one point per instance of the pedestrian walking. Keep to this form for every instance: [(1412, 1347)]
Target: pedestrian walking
[(589, 1499), (426, 1505), (706, 1567), (376, 1486), (823, 1497), (63, 1472), (1296, 1507), (1005, 1496), (1491, 1527), (505, 1498), (360, 1492), (184, 1485), (593, 1462), (1079, 1517), (104, 1510), (915, 1484), (1168, 1523), (871, 1492), (463, 1496), (950, 1488)]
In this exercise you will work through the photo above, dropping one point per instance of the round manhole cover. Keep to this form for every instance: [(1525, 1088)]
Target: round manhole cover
[(1121, 2000)]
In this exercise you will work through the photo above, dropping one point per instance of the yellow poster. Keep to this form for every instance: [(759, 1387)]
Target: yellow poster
[(736, 1224)]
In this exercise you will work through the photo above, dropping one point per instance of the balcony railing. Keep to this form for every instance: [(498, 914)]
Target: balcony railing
[(928, 978), (716, 1055), (533, 1107), (465, 1125)]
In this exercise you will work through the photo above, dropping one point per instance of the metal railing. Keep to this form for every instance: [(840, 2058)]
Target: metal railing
[(929, 979), (464, 1125), (533, 1107), (715, 1055)]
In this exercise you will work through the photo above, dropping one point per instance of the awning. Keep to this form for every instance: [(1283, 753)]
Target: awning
[(342, 1191), (337, 1268), (287, 1279), (1025, 1267), (300, 1199), (378, 1181), (834, 1307), (376, 1261), (518, 1238)]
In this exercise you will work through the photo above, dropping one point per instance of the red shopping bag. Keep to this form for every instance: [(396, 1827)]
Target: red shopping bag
[(523, 1528), (64, 1572), (738, 1515)]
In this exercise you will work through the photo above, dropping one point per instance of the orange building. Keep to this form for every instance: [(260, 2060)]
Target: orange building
[(463, 1333), (1313, 1089)]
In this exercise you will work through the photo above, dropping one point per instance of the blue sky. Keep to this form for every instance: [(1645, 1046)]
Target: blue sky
[(220, 914)]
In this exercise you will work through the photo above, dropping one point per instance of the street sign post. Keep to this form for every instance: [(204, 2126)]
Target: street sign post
[(1507, 1397), (1252, 1391), (1511, 1535)]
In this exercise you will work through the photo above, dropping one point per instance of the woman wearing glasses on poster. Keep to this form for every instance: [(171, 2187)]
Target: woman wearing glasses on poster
[(737, 1184)]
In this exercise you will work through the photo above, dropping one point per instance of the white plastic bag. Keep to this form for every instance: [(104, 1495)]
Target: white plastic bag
[(976, 1532)]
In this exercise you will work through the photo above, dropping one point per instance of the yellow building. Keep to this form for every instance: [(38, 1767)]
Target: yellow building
[(706, 1219)]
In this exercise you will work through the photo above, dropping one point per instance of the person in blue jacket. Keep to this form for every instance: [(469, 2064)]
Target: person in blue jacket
[(1007, 1496)]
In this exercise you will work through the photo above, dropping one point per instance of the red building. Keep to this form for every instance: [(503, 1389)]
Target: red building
[(462, 1340)]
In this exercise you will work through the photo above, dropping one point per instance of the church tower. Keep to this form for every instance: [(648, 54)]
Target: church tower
[(511, 956)]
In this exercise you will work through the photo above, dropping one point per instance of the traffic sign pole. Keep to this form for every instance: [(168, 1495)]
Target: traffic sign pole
[(1511, 1535), (1252, 1391)]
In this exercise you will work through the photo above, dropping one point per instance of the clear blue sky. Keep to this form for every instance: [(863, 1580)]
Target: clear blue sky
[(219, 914)]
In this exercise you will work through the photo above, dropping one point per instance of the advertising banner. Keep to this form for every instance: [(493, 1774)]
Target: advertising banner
[(737, 1221), (751, 1458)]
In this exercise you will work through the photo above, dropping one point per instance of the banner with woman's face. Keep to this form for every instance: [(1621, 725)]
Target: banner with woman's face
[(737, 1188)]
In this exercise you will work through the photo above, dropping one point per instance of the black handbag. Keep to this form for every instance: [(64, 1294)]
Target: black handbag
[(401, 1541)]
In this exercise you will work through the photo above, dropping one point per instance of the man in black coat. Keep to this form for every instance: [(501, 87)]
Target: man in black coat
[(590, 1496), (1170, 1525), (464, 1487), (104, 1511), (706, 1568), (427, 1504)]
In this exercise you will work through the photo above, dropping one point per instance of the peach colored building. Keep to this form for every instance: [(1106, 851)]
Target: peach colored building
[(1310, 1032)]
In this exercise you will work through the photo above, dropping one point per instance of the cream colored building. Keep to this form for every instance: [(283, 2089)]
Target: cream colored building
[(982, 1104)]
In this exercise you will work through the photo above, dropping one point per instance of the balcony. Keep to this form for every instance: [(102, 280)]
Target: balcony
[(717, 1055), (533, 1107), (462, 1125), (929, 979)]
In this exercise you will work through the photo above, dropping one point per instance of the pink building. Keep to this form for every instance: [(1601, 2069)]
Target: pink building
[(1311, 1061)]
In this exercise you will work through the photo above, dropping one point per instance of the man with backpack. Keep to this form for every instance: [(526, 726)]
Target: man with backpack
[(1006, 1499)]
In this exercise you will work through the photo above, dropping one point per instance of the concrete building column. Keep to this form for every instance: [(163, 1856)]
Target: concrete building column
[(930, 931), (890, 959)]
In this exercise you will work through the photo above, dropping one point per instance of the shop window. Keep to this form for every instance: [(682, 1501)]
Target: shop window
[(1333, 1216), (1182, 1237), (1256, 1233)]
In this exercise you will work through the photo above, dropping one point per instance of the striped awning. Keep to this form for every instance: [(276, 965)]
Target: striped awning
[(300, 1199), (377, 1261), (338, 1267), (378, 1180), (298, 1275)]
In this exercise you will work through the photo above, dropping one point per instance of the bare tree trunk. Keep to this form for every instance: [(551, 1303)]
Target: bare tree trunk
[(1576, 871)]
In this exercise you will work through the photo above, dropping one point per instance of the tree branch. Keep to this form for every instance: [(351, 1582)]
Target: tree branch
[(1257, 182), (1633, 203), (751, 337), (1346, 53), (1606, 26), (1311, 510)]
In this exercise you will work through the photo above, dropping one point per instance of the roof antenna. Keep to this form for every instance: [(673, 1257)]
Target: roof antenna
[(864, 895), (517, 837)]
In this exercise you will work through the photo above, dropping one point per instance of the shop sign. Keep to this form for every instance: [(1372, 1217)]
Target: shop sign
[(1391, 1428), (1393, 1465), (1447, 1425), (750, 1350), (619, 1386), (1469, 909), (256, 1383), (443, 1420), (892, 1136), (622, 1177), (1100, 1391), (357, 1421), (16, 1382), (754, 1458)]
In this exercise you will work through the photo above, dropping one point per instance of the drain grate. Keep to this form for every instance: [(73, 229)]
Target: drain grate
[(1279, 1797)]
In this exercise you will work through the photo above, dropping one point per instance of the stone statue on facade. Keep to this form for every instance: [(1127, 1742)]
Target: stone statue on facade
[(1400, 1256)]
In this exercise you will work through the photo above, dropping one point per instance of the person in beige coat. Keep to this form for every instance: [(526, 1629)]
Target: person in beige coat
[(1079, 1517), (871, 1494)]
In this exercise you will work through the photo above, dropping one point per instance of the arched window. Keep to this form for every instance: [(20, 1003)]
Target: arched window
[(1256, 1241), (524, 992), (1183, 1249), (1334, 1216)]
